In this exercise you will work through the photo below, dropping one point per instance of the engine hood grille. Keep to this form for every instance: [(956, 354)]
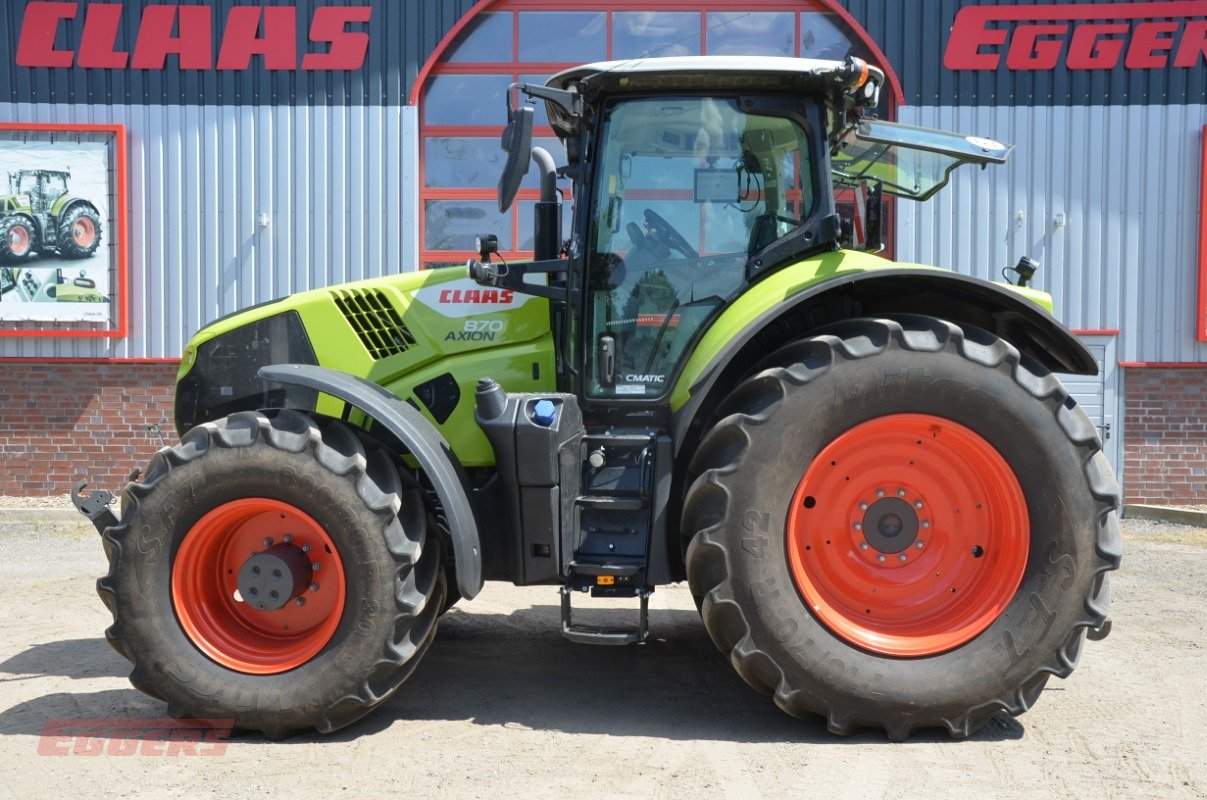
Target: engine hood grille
[(376, 322)]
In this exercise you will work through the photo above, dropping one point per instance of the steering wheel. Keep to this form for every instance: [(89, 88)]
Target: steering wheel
[(666, 233)]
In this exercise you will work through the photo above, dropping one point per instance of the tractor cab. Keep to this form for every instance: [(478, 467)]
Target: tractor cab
[(43, 187), (694, 178)]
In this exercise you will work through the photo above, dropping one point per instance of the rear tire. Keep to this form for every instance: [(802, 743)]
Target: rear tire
[(786, 617), (79, 232), (203, 653)]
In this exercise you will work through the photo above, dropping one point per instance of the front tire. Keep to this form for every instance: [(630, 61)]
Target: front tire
[(960, 599), (360, 621), (18, 239)]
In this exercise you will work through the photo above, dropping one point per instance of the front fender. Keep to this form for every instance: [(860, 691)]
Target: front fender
[(422, 441)]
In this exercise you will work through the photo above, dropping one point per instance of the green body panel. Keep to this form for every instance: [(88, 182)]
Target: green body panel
[(510, 342), (781, 285), (63, 201), (10, 204)]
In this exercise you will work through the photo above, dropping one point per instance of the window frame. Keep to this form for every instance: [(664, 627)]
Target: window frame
[(517, 70)]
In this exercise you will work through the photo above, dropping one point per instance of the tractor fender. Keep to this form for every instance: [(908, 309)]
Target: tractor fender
[(422, 440), (932, 292), (69, 201)]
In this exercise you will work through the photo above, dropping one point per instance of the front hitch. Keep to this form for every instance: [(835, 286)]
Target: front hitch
[(94, 505)]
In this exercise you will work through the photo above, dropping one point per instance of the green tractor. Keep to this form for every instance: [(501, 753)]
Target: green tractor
[(888, 509), (42, 216)]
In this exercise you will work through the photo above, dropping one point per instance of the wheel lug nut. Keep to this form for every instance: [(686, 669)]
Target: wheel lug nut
[(863, 506), (863, 545), (880, 493), (925, 523), (917, 504), (314, 587), (901, 557), (315, 566), (268, 541), (301, 601), (880, 557), (919, 545), (901, 493), (287, 538), (858, 526), (305, 548)]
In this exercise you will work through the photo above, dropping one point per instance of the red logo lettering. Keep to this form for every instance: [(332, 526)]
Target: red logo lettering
[(501, 297), (193, 47), (348, 48), (97, 46), (278, 45), (35, 48), (1090, 36), (187, 32)]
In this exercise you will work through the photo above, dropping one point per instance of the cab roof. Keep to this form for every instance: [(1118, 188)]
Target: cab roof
[(719, 71)]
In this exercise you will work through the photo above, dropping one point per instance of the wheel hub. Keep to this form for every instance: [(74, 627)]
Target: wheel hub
[(270, 579), (890, 525)]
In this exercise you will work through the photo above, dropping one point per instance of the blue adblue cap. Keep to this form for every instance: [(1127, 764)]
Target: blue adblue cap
[(544, 412)]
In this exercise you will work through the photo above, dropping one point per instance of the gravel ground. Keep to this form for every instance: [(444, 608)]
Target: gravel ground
[(503, 706), (53, 502)]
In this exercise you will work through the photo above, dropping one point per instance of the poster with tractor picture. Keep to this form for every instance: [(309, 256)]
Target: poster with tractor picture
[(55, 225)]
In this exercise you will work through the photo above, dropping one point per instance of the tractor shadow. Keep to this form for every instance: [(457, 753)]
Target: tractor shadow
[(516, 670), (512, 670), (70, 658)]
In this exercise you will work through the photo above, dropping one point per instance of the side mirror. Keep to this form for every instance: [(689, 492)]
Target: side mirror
[(517, 143)]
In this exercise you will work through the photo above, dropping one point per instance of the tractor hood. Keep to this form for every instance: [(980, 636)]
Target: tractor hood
[(426, 336)]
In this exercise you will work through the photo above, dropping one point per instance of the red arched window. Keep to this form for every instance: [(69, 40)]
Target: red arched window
[(461, 90)]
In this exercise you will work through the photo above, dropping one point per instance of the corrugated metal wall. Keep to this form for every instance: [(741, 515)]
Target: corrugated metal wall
[(338, 185), (1126, 179)]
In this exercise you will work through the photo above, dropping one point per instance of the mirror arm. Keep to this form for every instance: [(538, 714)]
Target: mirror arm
[(570, 102), (505, 276)]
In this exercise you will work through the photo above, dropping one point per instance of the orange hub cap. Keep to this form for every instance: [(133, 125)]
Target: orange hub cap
[(258, 635), (908, 535)]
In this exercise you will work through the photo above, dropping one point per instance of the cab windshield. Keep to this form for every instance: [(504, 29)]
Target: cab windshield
[(687, 190)]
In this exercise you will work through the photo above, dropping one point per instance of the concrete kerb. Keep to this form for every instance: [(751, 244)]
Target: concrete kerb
[(1182, 516)]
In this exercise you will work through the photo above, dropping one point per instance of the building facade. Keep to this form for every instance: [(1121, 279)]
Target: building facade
[(251, 149)]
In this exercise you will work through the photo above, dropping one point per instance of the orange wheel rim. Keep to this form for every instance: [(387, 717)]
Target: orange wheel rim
[(83, 232), (230, 629), (908, 535), (18, 240)]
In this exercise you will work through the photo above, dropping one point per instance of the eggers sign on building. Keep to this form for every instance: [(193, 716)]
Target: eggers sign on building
[(269, 148), (1154, 35)]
